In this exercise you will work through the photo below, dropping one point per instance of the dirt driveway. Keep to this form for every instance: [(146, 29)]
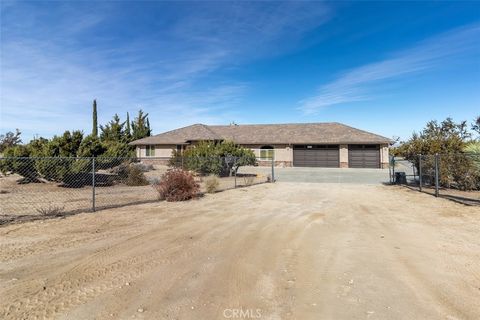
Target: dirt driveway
[(272, 251)]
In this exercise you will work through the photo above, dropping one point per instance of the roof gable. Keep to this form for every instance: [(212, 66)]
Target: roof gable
[(194, 132)]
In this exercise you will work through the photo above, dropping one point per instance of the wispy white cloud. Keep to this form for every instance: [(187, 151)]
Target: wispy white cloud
[(357, 84), (57, 58)]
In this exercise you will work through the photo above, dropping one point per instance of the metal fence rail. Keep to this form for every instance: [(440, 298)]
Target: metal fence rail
[(452, 176), (36, 187)]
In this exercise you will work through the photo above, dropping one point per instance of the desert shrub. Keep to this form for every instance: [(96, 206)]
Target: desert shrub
[(118, 150), (459, 171), (17, 160), (175, 160), (249, 179), (51, 210), (54, 169), (473, 148), (212, 184), (144, 167), (135, 177), (205, 165), (91, 146), (66, 145), (217, 158), (473, 151), (177, 185), (82, 165), (130, 174), (449, 140), (153, 180), (120, 171)]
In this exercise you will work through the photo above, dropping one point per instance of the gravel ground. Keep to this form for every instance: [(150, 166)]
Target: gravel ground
[(273, 251)]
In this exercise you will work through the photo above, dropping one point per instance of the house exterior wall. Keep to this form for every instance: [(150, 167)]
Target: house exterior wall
[(343, 155), (384, 156), (161, 151), (283, 154), (162, 154)]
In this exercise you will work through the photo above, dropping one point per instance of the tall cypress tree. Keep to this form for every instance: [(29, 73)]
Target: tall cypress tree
[(95, 124), (127, 128)]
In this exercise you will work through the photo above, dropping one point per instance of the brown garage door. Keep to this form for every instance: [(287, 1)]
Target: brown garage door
[(326, 156), (364, 156)]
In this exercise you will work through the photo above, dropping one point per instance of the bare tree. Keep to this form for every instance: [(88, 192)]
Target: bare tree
[(10, 139)]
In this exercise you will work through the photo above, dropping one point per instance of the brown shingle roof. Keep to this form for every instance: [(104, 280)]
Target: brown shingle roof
[(180, 136), (294, 133)]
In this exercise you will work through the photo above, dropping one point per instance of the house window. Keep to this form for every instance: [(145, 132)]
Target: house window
[(150, 151), (266, 153)]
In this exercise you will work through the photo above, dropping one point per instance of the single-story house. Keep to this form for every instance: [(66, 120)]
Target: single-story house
[(300, 144)]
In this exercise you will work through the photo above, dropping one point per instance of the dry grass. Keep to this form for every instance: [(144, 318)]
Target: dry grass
[(23, 200)]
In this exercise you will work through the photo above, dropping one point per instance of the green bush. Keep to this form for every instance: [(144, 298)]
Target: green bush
[(17, 161), (217, 158), (135, 177), (53, 169), (91, 146), (118, 150), (450, 140)]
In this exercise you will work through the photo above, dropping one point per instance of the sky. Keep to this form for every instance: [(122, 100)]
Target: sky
[(386, 67)]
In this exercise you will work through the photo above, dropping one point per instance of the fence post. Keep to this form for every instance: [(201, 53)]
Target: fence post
[(420, 171), (273, 169), (436, 174), (93, 184), (390, 168), (393, 169)]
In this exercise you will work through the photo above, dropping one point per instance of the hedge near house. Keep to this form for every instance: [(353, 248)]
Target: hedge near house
[(218, 158), (17, 161)]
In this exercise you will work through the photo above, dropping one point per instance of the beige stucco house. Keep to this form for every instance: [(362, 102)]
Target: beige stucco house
[(300, 144)]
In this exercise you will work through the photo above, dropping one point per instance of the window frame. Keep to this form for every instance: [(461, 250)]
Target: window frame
[(150, 151), (267, 153)]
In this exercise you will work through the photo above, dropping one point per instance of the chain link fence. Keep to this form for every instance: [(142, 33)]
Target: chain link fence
[(452, 176), (35, 188)]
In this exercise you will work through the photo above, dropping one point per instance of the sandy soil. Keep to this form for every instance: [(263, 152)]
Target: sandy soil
[(27, 201), (275, 251)]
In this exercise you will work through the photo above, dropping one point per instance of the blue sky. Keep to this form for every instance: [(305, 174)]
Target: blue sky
[(387, 67)]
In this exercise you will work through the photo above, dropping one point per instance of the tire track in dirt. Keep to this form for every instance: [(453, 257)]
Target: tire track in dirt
[(409, 273), (179, 272), (93, 275), (295, 251)]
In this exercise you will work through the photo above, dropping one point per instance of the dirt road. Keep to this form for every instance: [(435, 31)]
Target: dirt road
[(275, 251)]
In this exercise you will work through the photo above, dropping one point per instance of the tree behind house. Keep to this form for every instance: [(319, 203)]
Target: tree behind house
[(128, 131), (113, 131), (140, 126), (94, 120)]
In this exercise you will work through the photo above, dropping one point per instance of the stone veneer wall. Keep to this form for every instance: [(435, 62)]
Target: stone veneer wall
[(268, 163), (155, 161)]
